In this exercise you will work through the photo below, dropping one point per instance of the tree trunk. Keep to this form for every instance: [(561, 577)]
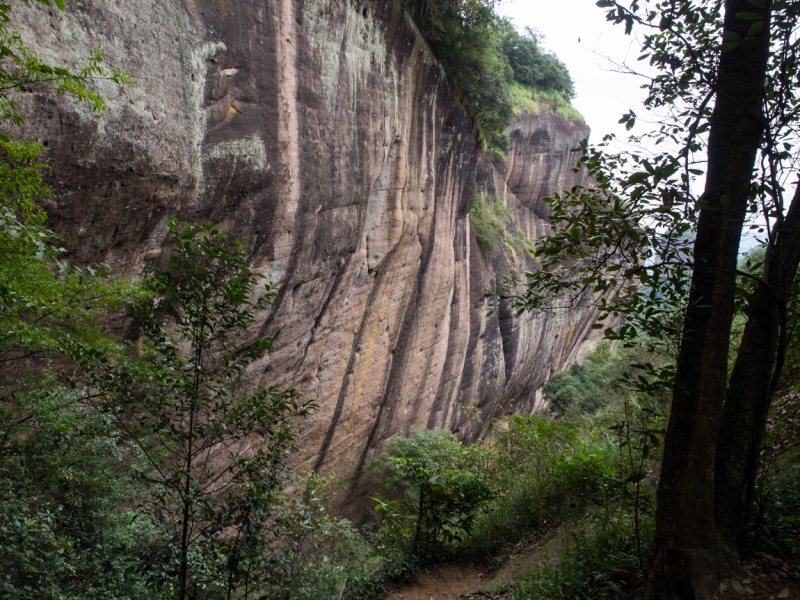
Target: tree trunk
[(682, 564), (751, 385)]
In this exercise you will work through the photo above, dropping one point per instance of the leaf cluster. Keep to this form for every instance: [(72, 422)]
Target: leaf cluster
[(436, 486), (483, 55)]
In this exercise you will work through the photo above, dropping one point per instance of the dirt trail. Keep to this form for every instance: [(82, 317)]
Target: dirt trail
[(763, 578), (464, 581), (441, 583)]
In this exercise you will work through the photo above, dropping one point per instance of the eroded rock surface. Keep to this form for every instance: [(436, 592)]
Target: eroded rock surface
[(324, 135)]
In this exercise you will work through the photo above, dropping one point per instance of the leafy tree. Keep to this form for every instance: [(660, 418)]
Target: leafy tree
[(482, 54), (645, 247), (216, 449), (436, 485), (46, 304), (586, 386), (60, 469), (532, 66), (67, 522), (465, 36)]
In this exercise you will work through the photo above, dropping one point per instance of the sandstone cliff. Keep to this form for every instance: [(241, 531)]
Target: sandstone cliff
[(323, 134)]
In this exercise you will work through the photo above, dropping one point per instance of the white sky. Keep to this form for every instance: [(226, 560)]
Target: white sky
[(602, 95)]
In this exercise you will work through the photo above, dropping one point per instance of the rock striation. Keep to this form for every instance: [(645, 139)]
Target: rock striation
[(325, 136)]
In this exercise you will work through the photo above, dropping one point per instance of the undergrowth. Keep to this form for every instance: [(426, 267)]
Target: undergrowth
[(528, 99), (494, 227), (488, 62), (598, 561)]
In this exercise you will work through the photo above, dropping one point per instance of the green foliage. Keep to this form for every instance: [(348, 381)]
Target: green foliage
[(487, 223), (586, 386), (216, 450), (66, 514), (546, 474), (46, 304), (437, 486), (494, 226), (598, 562), (67, 527), (530, 100), (465, 36), (483, 55), (777, 526), (314, 555), (21, 68), (531, 66)]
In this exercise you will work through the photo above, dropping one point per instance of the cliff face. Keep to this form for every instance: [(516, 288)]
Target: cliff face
[(323, 134)]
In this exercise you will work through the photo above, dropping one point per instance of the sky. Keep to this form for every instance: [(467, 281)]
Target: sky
[(578, 33)]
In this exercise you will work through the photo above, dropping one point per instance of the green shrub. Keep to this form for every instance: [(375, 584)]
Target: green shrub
[(314, 555), (589, 385), (483, 55), (464, 35), (68, 503), (435, 487), (546, 474), (531, 100), (778, 516), (488, 220), (598, 562), (777, 491), (532, 66), (217, 450)]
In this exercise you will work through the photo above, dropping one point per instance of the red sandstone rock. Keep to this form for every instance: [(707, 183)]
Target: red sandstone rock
[(324, 135)]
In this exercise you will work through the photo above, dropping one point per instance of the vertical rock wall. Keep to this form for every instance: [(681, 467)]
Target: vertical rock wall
[(324, 135)]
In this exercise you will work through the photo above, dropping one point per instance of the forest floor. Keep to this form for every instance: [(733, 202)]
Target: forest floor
[(763, 578)]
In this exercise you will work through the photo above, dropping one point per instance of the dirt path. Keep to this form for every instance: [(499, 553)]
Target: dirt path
[(764, 578), (464, 581), (441, 583)]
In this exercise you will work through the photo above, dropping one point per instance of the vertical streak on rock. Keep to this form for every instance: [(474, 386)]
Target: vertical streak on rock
[(288, 136)]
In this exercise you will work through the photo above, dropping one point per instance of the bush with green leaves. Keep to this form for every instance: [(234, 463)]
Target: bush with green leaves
[(67, 510), (315, 555), (66, 521), (434, 486), (589, 385), (598, 562), (488, 223), (531, 65), (545, 473), (483, 55)]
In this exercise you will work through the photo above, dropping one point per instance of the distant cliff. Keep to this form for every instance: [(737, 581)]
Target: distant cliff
[(324, 135)]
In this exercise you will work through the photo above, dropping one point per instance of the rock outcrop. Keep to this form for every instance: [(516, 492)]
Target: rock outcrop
[(324, 135)]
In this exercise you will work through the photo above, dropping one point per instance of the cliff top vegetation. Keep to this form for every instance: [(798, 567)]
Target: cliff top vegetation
[(495, 69)]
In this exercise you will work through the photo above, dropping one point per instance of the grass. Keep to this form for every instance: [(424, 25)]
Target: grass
[(530, 100), (494, 226), (488, 223)]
